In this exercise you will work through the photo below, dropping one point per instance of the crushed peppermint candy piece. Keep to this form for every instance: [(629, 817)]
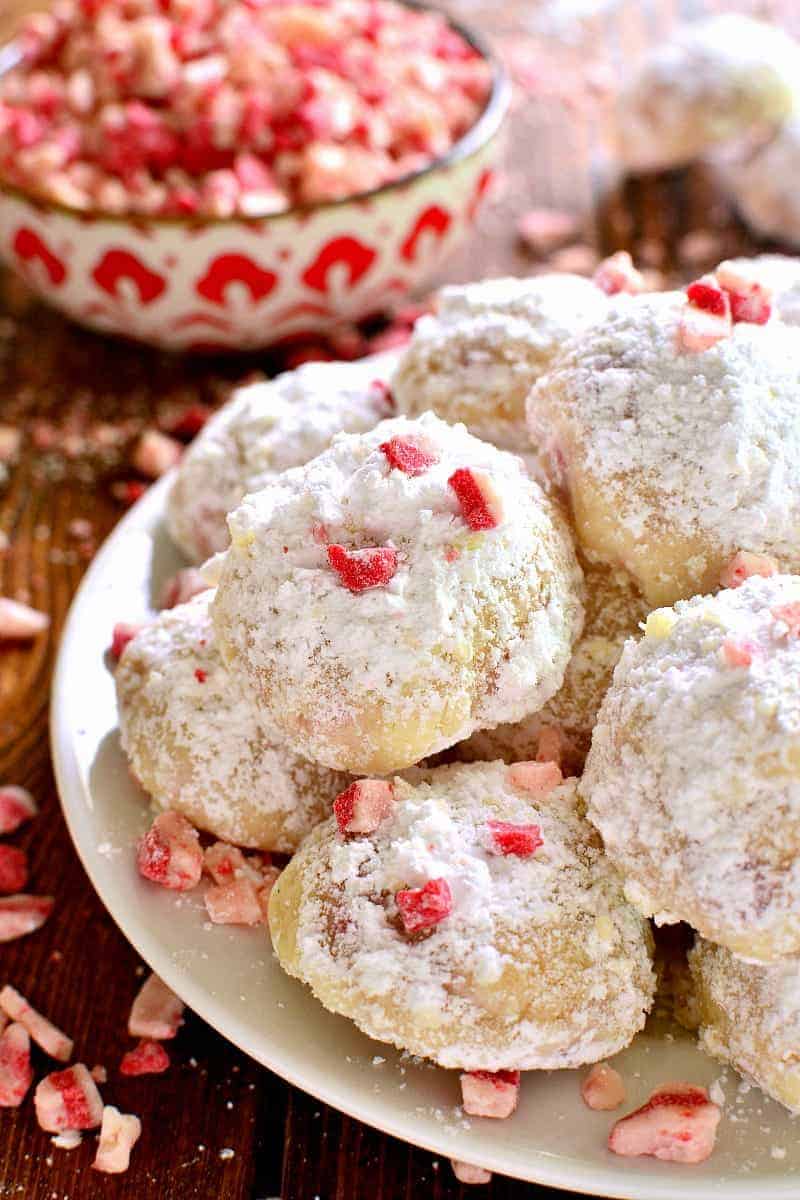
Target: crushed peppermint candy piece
[(155, 453), (16, 1072), (603, 1088), (490, 1093), (19, 622), (157, 1013), (750, 296), (706, 294), (424, 907), (677, 1124), (789, 615), (182, 586), (520, 840), (537, 778), (617, 274), (467, 1173), (119, 1133), (360, 570), (700, 330), (43, 1032), (481, 506), (412, 455), (13, 869), (17, 806), (745, 565), (68, 1099), (233, 903), (737, 654), (363, 806), (223, 862), (23, 914), (148, 1058), (122, 634), (170, 853)]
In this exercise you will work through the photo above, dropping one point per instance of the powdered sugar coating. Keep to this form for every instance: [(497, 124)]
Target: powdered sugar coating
[(474, 627), (614, 609), (540, 964), (750, 1017), (265, 428), (476, 359), (763, 185), (711, 81), (693, 778), (674, 460), (198, 747)]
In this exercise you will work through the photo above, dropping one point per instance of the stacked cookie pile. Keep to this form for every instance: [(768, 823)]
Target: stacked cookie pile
[(404, 652)]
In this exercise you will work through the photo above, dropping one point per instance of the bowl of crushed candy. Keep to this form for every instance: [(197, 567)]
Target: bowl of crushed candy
[(224, 259)]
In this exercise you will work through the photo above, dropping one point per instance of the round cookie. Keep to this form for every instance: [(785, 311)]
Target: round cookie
[(408, 586), (693, 777), (477, 357), (675, 460), (763, 185), (614, 610), (196, 744), (749, 1017), (265, 428), (710, 82), (539, 962)]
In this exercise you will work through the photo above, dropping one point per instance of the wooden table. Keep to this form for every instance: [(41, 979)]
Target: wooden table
[(94, 396)]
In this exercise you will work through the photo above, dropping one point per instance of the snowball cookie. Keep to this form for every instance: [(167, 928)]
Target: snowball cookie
[(479, 925), (614, 610), (763, 186), (693, 778), (406, 587), (196, 744), (265, 428), (710, 82), (750, 1017), (476, 358), (673, 461)]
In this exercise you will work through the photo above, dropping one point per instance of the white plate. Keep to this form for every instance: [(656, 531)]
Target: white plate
[(231, 978)]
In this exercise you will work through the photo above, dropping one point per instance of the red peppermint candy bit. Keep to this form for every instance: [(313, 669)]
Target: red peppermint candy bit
[(170, 854), (188, 423), (17, 806), (22, 914), (536, 778), (744, 566), (678, 1124), (618, 274), (360, 570), (789, 614), (16, 1073), (603, 1089), (363, 806), (157, 1012), (412, 455), (521, 840), (68, 1100), (737, 654), (200, 675), (128, 491), (490, 1093), (707, 295), (422, 908), (223, 862), (481, 506), (123, 633), (750, 297), (149, 1058), (233, 903), (13, 869)]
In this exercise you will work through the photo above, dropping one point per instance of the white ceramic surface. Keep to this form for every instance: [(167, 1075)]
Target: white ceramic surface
[(230, 977)]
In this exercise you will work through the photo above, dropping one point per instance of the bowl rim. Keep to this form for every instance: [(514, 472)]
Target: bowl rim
[(479, 135)]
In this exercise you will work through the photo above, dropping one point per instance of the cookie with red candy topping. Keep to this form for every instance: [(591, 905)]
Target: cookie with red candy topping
[(693, 777), (614, 609), (429, 935), (197, 745), (749, 1017), (676, 451), (264, 429), (709, 82), (477, 357), (379, 614)]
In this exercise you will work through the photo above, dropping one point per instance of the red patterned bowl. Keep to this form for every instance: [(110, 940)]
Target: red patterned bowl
[(239, 283)]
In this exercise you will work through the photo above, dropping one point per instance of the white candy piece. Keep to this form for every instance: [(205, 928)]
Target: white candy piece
[(20, 621), (467, 1173), (157, 1012), (46, 1035), (119, 1133), (490, 1094), (603, 1088)]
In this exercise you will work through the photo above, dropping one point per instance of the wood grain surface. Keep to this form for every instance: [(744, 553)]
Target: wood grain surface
[(80, 400)]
